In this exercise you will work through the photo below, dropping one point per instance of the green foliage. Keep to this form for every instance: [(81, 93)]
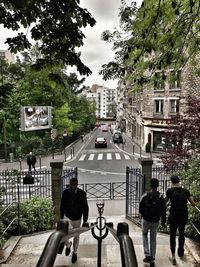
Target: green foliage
[(22, 85), (161, 34), (36, 214), (190, 178), (55, 25)]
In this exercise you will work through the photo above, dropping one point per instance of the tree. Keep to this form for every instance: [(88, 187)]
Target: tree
[(55, 25), (164, 34), (183, 133)]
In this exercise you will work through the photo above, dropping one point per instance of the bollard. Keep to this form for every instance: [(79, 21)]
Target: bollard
[(40, 161), (20, 164), (133, 149)]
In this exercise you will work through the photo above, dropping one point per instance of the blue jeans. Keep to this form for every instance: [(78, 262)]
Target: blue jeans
[(149, 245)]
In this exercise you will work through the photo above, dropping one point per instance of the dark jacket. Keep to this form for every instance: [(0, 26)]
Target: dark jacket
[(152, 207), (74, 204), (178, 210), (31, 160)]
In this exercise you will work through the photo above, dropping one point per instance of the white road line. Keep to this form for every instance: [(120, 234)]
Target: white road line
[(100, 156), (82, 157), (117, 155), (126, 156), (109, 156), (91, 157)]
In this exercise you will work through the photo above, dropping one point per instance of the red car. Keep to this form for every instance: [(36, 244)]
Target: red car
[(100, 142)]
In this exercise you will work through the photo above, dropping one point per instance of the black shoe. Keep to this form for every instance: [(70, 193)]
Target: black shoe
[(68, 249), (180, 253), (148, 259), (174, 261), (74, 257)]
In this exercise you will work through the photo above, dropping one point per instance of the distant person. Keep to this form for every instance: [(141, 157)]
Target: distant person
[(151, 208), (73, 207), (178, 215), (82, 137), (31, 161)]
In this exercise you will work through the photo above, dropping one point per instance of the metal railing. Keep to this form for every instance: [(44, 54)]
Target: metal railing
[(193, 225), (55, 243)]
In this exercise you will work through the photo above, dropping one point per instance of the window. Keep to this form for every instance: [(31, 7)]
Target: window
[(174, 106), (158, 104), (159, 81), (175, 79)]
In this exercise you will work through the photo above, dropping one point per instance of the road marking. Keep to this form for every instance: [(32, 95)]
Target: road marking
[(117, 155), (126, 156), (96, 171), (100, 156), (82, 157), (109, 156), (91, 157)]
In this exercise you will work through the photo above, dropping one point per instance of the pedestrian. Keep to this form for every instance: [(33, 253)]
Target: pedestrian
[(151, 208), (178, 215), (74, 207), (82, 137), (31, 161)]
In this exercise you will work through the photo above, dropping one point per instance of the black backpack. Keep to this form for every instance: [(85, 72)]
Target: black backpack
[(153, 206)]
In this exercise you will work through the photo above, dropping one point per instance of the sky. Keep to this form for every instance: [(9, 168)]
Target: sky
[(95, 52)]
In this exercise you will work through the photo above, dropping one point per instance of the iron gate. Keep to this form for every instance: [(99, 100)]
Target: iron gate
[(134, 190)]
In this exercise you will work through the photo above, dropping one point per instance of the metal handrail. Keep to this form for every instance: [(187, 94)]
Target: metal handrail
[(53, 243), (197, 230), (128, 256)]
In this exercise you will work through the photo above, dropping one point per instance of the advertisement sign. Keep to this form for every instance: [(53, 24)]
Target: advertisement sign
[(33, 118)]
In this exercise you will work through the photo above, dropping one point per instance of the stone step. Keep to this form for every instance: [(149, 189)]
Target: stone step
[(29, 248)]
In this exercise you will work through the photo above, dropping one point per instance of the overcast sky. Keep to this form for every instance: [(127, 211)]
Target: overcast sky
[(95, 52)]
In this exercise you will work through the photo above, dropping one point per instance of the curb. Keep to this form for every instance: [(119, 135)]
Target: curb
[(193, 248), (8, 247)]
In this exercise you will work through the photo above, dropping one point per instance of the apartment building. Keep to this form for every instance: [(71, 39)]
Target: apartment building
[(7, 55), (147, 114), (105, 99)]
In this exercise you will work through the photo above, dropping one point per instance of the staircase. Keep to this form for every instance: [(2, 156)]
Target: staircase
[(28, 250)]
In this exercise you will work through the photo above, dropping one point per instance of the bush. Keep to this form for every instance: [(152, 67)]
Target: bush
[(36, 214)]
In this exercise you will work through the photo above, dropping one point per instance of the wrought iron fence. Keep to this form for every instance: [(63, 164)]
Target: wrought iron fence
[(134, 191), (21, 185)]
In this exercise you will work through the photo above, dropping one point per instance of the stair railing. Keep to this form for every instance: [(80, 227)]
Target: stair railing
[(55, 242), (128, 257), (99, 230)]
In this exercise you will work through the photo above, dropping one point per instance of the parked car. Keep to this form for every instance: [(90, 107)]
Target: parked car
[(117, 137), (104, 128), (100, 142)]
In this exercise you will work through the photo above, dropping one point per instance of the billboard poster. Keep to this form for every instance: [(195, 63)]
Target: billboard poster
[(33, 118)]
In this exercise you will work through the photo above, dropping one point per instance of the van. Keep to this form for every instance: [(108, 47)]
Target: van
[(117, 137)]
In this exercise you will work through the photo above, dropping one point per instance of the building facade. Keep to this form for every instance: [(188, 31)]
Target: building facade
[(105, 100), (7, 55), (147, 114)]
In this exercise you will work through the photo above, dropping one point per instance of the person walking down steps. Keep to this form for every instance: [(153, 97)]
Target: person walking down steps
[(151, 208), (178, 215), (74, 208)]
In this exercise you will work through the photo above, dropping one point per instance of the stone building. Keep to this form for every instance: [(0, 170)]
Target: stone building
[(6, 55), (146, 114)]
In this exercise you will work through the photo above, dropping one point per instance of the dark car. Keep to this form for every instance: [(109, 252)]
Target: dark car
[(100, 142), (117, 138)]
